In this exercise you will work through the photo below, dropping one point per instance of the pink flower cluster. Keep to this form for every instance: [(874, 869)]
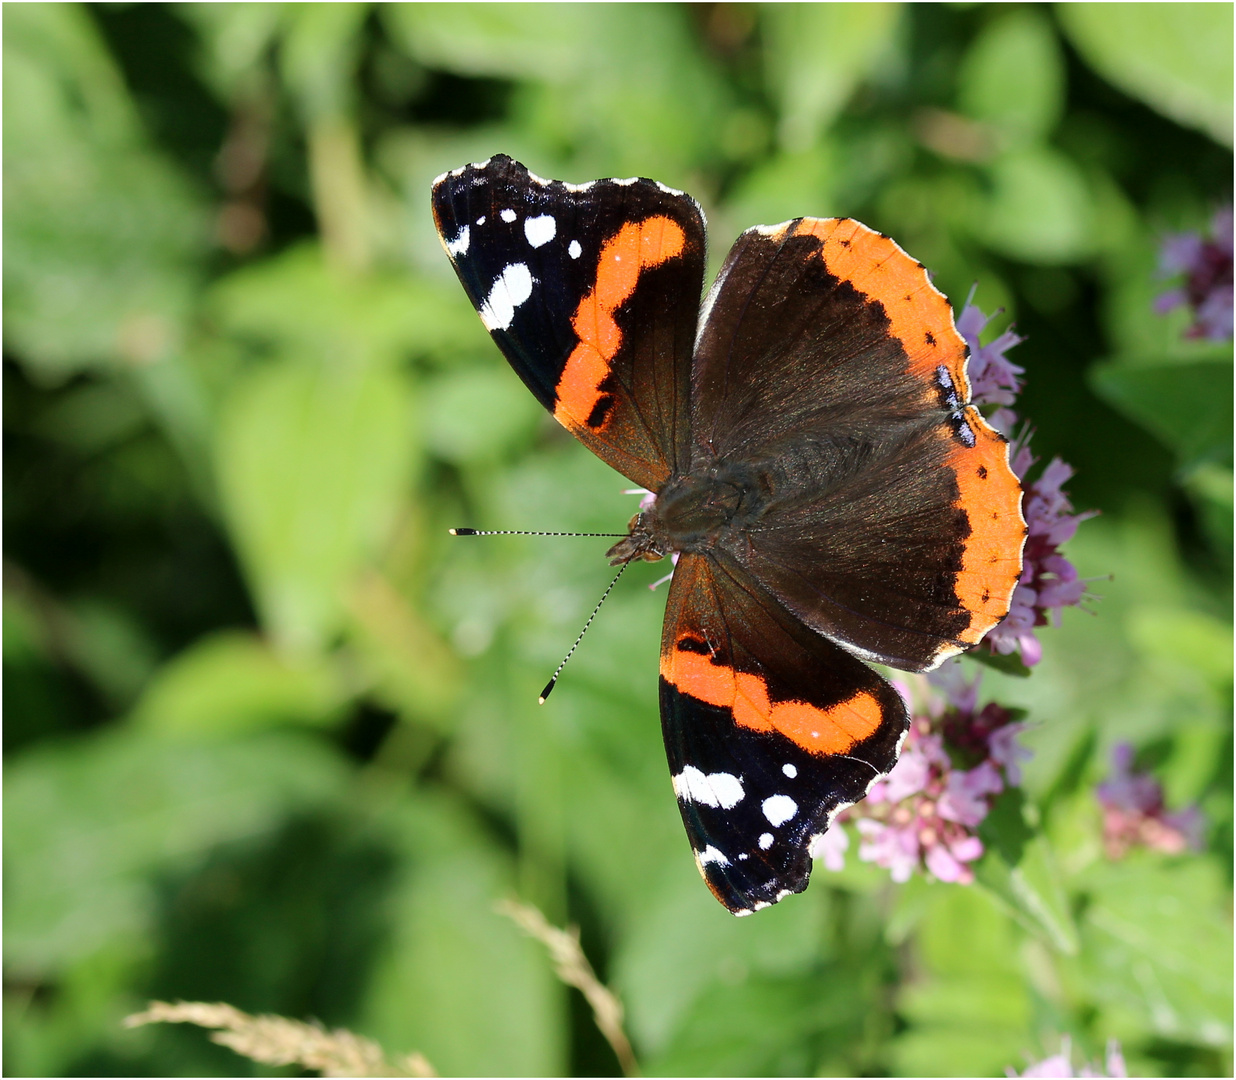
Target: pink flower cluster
[(925, 813), (1049, 581), (1134, 814), (1061, 1065), (1207, 267)]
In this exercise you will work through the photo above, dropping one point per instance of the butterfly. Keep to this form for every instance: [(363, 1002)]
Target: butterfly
[(830, 493)]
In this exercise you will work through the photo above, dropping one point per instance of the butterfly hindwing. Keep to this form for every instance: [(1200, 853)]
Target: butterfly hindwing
[(893, 521), (769, 727), (592, 293)]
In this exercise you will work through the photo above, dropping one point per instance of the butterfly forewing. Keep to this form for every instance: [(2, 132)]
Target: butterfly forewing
[(892, 520), (592, 293)]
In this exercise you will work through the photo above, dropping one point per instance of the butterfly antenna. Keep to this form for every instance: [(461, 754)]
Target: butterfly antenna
[(549, 686), (523, 532)]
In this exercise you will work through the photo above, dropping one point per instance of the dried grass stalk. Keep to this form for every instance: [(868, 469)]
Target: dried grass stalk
[(276, 1040), (572, 967)]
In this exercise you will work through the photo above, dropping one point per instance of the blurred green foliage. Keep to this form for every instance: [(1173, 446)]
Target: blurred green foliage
[(271, 736)]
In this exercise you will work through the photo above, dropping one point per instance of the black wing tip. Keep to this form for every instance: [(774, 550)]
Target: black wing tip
[(741, 901)]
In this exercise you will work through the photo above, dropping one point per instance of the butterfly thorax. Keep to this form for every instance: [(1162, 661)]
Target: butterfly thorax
[(694, 513)]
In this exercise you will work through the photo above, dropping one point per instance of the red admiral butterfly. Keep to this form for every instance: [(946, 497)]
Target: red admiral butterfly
[(832, 495)]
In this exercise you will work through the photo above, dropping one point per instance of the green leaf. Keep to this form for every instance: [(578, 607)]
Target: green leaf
[(456, 980), (762, 1026), (1189, 638), (1177, 58), (973, 1026), (591, 80), (1040, 209), (1157, 941), (1012, 77), (784, 186), (1018, 870), (313, 464), (1005, 828), (232, 682), (967, 1007), (233, 41), (1008, 663), (531, 41), (103, 237), (90, 823), (318, 56), (1210, 487), (297, 306), (1188, 406), (477, 414), (412, 669), (815, 56), (684, 944)]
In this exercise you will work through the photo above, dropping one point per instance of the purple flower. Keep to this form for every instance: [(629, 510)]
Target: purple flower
[(1061, 1065), (1049, 581), (1007, 753), (894, 847), (1207, 267), (924, 813), (994, 379), (965, 794), (1134, 814)]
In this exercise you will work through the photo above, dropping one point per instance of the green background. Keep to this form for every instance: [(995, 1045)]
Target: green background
[(271, 735)]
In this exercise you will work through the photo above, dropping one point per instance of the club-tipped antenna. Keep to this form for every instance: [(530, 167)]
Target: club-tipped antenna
[(463, 531), (549, 686)]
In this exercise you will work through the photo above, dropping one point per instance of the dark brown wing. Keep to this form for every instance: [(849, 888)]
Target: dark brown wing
[(830, 366)]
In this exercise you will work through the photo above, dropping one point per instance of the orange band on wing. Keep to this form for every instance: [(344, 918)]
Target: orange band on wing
[(819, 731), (918, 312), (635, 247), (990, 494)]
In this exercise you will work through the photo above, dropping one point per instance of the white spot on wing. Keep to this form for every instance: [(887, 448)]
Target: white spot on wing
[(459, 246), (540, 230), (513, 287), (789, 771), (711, 855), (766, 841), (481, 220), (574, 250), (779, 809), (507, 215), (714, 789)]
